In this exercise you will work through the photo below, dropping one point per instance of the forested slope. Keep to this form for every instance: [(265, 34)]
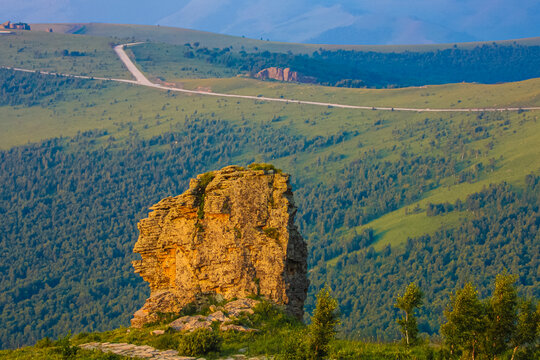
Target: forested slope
[(487, 64), (500, 231), (69, 205)]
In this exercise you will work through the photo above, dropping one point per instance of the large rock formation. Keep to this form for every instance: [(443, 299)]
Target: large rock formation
[(231, 234), (286, 74)]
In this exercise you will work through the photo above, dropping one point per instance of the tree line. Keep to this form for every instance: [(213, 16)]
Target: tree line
[(475, 328), (488, 63), (18, 88), (500, 231)]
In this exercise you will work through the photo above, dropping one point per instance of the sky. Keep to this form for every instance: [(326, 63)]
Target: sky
[(309, 21)]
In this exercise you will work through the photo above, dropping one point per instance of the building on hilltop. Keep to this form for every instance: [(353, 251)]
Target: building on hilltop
[(14, 26)]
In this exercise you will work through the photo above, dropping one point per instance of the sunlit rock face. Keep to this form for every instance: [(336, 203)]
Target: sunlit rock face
[(232, 235)]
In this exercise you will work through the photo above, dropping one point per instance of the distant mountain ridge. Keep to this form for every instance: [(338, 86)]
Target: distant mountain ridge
[(179, 36)]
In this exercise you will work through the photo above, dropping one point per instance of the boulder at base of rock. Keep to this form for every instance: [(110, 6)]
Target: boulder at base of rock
[(191, 323), (218, 316), (232, 327), (237, 307)]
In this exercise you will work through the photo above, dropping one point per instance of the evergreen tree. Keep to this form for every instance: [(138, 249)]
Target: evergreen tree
[(411, 299), (502, 315), (465, 321), (527, 333), (322, 329)]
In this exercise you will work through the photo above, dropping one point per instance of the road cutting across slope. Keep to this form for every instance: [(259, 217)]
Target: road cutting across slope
[(142, 80)]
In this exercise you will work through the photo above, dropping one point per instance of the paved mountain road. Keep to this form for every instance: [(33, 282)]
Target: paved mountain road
[(142, 80)]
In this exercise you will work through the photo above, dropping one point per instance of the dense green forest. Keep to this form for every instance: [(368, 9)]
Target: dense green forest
[(70, 208), (502, 231), (366, 189), (69, 205), (17, 88), (347, 68)]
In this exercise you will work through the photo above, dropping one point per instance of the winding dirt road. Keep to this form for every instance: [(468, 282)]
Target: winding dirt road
[(134, 70), (142, 80)]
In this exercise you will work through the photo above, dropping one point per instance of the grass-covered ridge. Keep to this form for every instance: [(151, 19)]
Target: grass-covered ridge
[(277, 335), (264, 331), (110, 104), (61, 53)]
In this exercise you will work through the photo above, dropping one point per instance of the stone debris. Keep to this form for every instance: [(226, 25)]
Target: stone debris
[(231, 234), (234, 309), (237, 307), (148, 352), (191, 323), (240, 328), (157, 332), (138, 351), (218, 316)]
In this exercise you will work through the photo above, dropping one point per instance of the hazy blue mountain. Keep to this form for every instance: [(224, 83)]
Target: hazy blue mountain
[(316, 21)]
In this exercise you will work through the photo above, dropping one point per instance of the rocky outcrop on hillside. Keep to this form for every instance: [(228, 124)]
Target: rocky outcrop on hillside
[(231, 234), (286, 74)]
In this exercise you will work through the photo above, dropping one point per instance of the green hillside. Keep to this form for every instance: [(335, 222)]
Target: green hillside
[(68, 54), (82, 160), (278, 336), (488, 64), (94, 56)]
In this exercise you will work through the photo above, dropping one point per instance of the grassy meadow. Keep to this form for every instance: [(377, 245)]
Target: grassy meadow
[(36, 50)]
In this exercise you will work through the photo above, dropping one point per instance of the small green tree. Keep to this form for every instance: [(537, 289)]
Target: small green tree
[(528, 326), (322, 329), (65, 348), (465, 321), (502, 316), (411, 299)]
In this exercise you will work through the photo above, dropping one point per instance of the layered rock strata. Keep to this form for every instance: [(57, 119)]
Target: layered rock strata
[(231, 234)]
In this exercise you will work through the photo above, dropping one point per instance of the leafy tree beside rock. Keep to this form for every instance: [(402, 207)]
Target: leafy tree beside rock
[(465, 322), (411, 299), (527, 334), (501, 325), (501, 315), (322, 329)]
